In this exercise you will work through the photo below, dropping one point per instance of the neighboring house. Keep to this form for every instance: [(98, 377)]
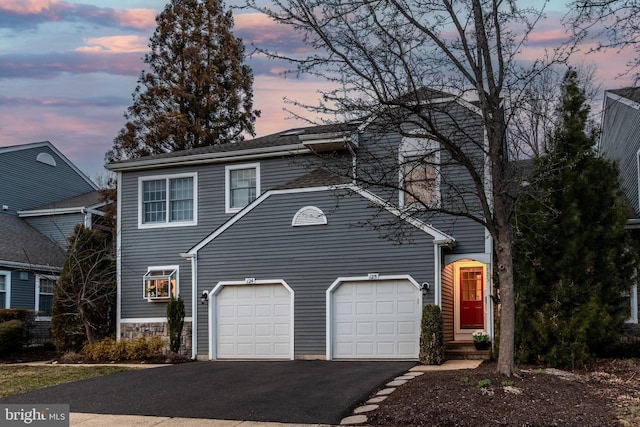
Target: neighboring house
[(42, 197), (278, 257), (620, 141)]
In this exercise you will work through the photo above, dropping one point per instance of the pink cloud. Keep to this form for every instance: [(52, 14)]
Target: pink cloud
[(114, 44), (24, 7), (136, 18), (28, 13)]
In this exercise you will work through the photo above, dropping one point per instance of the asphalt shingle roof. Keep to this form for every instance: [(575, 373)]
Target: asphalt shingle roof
[(316, 178), (632, 93), (284, 138), (91, 198), (24, 244)]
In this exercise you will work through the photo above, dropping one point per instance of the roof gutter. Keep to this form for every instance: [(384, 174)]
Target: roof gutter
[(56, 211), (29, 266)]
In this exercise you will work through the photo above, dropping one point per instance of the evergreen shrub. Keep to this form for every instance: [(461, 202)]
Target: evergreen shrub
[(431, 336), (175, 322), (12, 336)]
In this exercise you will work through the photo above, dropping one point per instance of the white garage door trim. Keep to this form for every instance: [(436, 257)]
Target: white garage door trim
[(213, 351), (330, 302)]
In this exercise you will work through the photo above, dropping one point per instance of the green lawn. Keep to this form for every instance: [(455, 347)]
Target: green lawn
[(16, 379)]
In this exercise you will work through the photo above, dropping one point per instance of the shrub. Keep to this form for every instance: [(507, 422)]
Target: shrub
[(110, 350), (13, 336), (28, 317), (24, 315), (431, 336), (175, 322)]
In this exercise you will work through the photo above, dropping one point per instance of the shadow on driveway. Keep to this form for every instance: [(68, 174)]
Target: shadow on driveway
[(309, 392)]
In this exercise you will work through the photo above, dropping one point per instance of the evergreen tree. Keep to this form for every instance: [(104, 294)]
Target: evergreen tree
[(574, 258), (84, 300), (197, 92)]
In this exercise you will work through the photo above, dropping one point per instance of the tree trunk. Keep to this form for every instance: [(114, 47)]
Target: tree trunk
[(87, 325), (506, 308)]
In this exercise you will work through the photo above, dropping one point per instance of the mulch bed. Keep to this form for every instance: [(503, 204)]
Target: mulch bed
[(605, 394)]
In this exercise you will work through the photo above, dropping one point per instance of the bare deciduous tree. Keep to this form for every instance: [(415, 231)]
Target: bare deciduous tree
[(380, 56), (84, 298)]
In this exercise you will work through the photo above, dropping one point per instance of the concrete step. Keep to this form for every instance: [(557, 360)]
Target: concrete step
[(465, 350)]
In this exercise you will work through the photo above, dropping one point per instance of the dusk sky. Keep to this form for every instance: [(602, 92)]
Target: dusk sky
[(68, 69)]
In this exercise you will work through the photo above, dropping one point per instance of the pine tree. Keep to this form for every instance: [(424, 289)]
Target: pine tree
[(574, 258), (196, 92)]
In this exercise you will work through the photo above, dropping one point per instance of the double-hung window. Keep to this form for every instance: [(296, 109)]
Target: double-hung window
[(168, 200), (5, 287), (242, 186), (45, 286), (419, 173)]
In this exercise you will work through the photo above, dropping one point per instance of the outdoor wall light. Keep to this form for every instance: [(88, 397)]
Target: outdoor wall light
[(205, 297), (424, 288)]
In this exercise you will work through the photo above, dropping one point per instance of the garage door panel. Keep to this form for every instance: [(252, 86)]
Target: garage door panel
[(385, 307), (364, 308), (253, 321), (376, 319), (407, 328), (385, 328), (407, 307)]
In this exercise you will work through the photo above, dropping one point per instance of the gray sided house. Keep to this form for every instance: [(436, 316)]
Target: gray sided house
[(280, 254), (620, 141), (42, 197)]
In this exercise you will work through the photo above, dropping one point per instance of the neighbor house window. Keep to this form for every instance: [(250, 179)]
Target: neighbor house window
[(169, 200), (5, 287), (160, 283), (242, 185), (419, 172), (45, 286)]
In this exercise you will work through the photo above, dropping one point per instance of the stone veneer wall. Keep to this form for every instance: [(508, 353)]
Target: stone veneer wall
[(131, 331)]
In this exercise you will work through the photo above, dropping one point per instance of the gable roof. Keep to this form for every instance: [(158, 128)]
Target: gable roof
[(23, 246), (50, 146), (630, 93), (322, 178)]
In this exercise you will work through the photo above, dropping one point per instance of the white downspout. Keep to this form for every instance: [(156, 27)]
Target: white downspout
[(194, 306), (437, 275), (118, 255)]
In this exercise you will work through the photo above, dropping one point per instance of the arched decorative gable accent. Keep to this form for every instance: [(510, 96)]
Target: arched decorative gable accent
[(309, 215), (46, 158)]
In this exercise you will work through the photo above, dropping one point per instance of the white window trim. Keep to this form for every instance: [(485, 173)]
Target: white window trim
[(37, 302), (176, 268), (227, 184), (413, 147), (7, 288), (634, 304), (167, 223)]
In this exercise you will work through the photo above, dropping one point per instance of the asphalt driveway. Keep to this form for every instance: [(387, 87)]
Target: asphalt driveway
[(309, 392)]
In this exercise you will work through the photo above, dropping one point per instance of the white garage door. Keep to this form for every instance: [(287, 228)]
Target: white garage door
[(376, 320), (253, 322)]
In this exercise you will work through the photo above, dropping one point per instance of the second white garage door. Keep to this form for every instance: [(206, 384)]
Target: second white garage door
[(254, 322), (376, 320)]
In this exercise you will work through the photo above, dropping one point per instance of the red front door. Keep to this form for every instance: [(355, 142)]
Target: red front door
[(471, 297)]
